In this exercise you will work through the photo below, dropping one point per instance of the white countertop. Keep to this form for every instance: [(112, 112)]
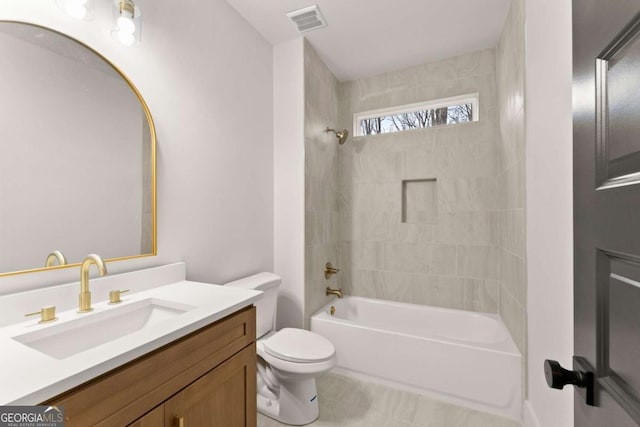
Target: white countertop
[(29, 377)]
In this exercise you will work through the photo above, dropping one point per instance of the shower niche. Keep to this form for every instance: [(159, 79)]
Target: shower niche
[(419, 201)]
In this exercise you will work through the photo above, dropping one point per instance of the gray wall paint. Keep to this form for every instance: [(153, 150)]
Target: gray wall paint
[(215, 172)]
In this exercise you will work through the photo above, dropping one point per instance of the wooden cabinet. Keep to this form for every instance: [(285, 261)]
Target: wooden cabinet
[(204, 379), (217, 399), (155, 418)]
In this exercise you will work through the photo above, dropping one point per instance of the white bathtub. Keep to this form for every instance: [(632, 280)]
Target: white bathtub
[(463, 357)]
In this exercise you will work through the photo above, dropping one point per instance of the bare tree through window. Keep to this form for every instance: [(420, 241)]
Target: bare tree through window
[(417, 119)]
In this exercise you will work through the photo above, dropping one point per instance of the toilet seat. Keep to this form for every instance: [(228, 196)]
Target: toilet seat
[(322, 361), (299, 346)]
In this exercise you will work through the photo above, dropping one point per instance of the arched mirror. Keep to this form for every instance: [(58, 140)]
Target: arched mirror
[(77, 154)]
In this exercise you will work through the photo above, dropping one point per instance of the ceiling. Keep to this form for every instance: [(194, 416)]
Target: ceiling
[(368, 37)]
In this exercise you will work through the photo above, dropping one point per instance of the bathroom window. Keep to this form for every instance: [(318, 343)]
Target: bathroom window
[(439, 112)]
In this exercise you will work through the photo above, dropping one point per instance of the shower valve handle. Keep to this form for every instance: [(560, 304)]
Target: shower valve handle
[(329, 270)]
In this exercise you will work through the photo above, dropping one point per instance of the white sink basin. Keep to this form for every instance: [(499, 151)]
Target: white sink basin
[(90, 330)]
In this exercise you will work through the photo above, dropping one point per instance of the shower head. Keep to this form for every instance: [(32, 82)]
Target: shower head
[(342, 136)]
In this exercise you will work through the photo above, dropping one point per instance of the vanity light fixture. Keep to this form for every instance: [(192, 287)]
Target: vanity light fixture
[(127, 22), (79, 9)]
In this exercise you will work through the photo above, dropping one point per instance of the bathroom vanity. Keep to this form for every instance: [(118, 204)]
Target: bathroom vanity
[(204, 379), (173, 352)]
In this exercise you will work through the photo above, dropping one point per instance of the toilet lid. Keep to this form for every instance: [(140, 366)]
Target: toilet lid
[(298, 345)]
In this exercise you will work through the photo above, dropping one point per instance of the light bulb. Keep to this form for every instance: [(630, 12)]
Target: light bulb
[(126, 39), (126, 25), (77, 10)]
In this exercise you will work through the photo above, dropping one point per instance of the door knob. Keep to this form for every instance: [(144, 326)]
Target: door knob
[(558, 377)]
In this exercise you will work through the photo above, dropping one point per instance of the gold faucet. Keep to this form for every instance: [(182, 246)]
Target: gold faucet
[(336, 292), (53, 257), (85, 295)]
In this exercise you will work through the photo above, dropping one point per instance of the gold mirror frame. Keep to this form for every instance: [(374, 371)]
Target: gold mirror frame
[(152, 140)]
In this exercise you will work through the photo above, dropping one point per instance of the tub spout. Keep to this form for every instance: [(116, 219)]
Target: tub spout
[(336, 292)]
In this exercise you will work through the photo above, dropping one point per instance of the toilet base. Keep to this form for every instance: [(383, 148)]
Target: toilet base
[(297, 403)]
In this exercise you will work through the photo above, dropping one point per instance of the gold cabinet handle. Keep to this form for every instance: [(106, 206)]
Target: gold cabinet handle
[(178, 421), (47, 314), (114, 296)]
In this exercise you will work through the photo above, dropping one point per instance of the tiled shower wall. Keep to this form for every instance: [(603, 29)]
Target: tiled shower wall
[(418, 209), (511, 176), (431, 216), (321, 180)]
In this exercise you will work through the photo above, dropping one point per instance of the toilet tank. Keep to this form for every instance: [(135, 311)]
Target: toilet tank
[(266, 306)]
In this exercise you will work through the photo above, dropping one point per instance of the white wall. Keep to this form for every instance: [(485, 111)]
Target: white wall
[(549, 205), (289, 180), (204, 72)]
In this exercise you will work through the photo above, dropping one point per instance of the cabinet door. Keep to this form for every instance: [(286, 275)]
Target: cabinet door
[(154, 418), (226, 396)]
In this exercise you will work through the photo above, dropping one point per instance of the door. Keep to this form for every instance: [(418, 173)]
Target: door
[(225, 397), (606, 85)]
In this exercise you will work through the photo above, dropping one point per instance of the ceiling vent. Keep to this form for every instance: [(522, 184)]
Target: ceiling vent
[(307, 18)]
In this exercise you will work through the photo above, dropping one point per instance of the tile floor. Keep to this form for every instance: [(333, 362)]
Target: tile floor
[(349, 402)]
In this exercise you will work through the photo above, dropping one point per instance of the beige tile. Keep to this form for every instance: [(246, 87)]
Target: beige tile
[(467, 194), (465, 161), (514, 317), (386, 285), (489, 299), (406, 257), (438, 291), (321, 227), (512, 231), (472, 228), (374, 166), (477, 63), (360, 403), (513, 275), (380, 196), (363, 254), (419, 201), (511, 184), (478, 262), (434, 413), (371, 86), (420, 165), (435, 73), (479, 169), (455, 292)]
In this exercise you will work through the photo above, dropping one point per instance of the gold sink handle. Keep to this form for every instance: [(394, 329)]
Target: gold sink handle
[(47, 314), (114, 296)]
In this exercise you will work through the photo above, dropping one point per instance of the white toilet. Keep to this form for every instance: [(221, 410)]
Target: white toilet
[(288, 360)]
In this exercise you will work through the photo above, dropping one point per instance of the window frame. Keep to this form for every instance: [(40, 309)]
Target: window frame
[(469, 98)]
